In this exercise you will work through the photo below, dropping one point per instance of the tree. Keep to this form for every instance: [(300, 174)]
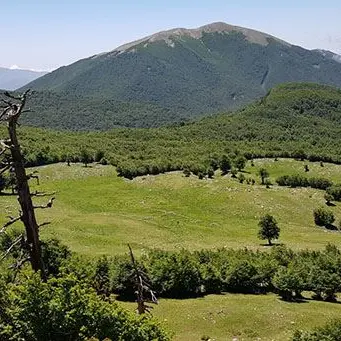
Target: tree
[(263, 173), (241, 177), (268, 228), (85, 157), (11, 109), (240, 162), (323, 217), (225, 164)]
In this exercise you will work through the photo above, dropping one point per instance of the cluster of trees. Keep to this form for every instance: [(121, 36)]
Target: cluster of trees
[(189, 274), (65, 306), (302, 181)]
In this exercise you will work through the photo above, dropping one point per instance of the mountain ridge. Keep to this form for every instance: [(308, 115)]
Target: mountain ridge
[(12, 79), (176, 75)]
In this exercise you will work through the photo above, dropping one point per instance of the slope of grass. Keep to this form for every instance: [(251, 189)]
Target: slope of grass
[(98, 213), (240, 317)]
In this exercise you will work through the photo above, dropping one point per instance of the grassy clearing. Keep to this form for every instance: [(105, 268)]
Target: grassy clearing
[(240, 317), (98, 213)]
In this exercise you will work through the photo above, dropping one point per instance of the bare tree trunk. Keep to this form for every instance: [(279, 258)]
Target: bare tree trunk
[(11, 113), (24, 197)]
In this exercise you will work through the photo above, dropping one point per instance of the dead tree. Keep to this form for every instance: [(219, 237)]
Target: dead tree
[(11, 109), (142, 288)]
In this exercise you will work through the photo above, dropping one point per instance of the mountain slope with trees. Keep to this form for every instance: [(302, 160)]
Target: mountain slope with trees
[(174, 76), (293, 120)]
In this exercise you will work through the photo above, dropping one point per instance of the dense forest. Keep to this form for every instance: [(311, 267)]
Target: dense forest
[(293, 120)]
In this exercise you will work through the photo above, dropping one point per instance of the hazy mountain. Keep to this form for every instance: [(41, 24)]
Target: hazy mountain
[(172, 76), (330, 55), (11, 79)]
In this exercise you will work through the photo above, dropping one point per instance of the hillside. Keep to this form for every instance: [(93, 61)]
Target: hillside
[(292, 120), (11, 79), (174, 76)]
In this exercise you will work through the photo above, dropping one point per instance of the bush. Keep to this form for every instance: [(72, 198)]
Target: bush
[(329, 332), (335, 192), (323, 217), (65, 308), (174, 275), (54, 254)]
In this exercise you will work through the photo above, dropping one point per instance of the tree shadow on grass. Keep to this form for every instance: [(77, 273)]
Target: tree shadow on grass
[(273, 244)]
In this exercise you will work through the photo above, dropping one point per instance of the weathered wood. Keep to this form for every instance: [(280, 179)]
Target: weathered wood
[(11, 115)]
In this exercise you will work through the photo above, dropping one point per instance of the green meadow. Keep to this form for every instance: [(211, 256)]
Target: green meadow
[(96, 213)]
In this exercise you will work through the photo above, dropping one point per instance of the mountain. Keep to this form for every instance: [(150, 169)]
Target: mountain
[(11, 79), (330, 55), (174, 76)]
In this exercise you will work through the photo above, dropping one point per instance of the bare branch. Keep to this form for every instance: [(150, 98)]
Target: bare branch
[(20, 263), (10, 222), (5, 169), (6, 93), (48, 205), (41, 194), (18, 240), (33, 176), (44, 224), (28, 110)]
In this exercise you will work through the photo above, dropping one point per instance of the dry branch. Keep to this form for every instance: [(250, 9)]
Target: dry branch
[(10, 222), (48, 205), (18, 240)]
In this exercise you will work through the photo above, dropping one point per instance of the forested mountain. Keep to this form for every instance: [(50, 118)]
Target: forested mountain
[(173, 76), (11, 79)]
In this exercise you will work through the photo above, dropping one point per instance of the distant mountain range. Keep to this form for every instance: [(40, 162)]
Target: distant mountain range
[(174, 76), (11, 79)]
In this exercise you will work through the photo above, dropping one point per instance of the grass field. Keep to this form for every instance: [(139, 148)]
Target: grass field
[(96, 212), (240, 317)]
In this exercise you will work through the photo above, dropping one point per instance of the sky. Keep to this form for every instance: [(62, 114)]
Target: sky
[(47, 34)]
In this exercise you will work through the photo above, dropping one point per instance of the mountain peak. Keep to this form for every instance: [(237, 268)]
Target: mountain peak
[(169, 36)]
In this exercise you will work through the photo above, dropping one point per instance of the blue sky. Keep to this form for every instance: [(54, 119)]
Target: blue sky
[(48, 34)]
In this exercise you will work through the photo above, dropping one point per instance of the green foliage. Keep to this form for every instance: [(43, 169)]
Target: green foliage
[(263, 173), (209, 142), (101, 280), (302, 181), (329, 332), (335, 192), (289, 283), (54, 255), (85, 157), (225, 164), (174, 274), (65, 308), (239, 162), (323, 217), (268, 228)]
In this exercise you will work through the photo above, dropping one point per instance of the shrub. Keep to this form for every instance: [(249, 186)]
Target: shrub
[(323, 217), (335, 192), (65, 308)]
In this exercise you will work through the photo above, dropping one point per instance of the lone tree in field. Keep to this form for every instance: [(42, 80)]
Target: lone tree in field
[(268, 228), (11, 108), (264, 174)]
